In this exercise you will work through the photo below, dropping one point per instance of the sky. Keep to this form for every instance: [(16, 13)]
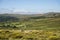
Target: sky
[(30, 6)]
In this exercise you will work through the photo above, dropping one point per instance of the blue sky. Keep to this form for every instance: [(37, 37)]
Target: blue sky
[(30, 5)]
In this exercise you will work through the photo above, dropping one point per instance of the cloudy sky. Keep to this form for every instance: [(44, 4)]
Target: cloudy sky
[(30, 6)]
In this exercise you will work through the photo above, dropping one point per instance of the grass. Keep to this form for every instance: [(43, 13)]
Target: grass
[(30, 35), (34, 29)]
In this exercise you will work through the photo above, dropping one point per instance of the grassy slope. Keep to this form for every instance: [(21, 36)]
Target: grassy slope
[(48, 23), (36, 24), (41, 21), (47, 29)]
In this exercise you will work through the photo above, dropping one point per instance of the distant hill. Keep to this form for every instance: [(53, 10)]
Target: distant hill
[(18, 17), (52, 14), (47, 15), (6, 18), (31, 21)]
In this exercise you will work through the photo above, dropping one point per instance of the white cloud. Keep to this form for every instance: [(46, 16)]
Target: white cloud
[(20, 10)]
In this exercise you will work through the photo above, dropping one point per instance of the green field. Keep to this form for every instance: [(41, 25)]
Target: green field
[(33, 24)]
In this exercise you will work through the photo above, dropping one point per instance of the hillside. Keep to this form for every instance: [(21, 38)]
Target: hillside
[(9, 17), (34, 21), (30, 27)]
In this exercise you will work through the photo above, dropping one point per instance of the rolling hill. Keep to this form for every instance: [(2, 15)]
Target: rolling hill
[(33, 21)]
